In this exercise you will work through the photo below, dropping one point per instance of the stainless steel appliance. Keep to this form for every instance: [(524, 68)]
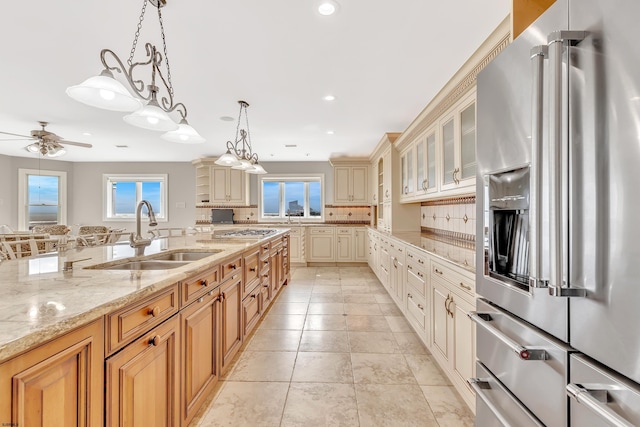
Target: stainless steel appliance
[(559, 266)]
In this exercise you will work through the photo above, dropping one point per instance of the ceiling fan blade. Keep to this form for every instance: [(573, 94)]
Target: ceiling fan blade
[(15, 134), (79, 144)]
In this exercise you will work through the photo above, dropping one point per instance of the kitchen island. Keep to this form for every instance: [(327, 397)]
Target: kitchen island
[(64, 335)]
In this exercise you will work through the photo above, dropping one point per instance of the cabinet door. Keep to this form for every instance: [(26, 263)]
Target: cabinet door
[(200, 366), (360, 246), (387, 175), (359, 192), (440, 324), (231, 293), (421, 166), (142, 380), (321, 248), (295, 254), (373, 188), (468, 142), (342, 184), (58, 383), (236, 186), (397, 282), (219, 177), (344, 245), (447, 131), (463, 339), (431, 184)]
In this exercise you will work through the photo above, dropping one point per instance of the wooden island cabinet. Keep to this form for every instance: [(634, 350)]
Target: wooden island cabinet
[(154, 361)]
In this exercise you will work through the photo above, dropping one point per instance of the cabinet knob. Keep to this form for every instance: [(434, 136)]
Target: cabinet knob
[(201, 299), (154, 341), (204, 283), (155, 311)]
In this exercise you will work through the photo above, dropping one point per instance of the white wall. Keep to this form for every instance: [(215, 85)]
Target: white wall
[(277, 168)]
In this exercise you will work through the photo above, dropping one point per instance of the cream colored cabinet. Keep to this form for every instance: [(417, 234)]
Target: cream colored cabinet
[(374, 258), (321, 244), (360, 247), (60, 382), (458, 145), (373, 183), (229, 186), (350, 185), (297, 245), (344, 244), (397, 273), (426, 175)]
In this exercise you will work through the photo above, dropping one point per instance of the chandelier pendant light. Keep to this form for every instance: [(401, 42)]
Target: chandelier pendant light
[(239, 153), (149, 107)]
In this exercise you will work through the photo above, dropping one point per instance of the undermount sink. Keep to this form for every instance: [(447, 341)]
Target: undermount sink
[(161, 261), (150, 264)]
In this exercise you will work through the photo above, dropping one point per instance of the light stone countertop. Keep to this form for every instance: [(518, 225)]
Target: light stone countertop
[(39, 301)]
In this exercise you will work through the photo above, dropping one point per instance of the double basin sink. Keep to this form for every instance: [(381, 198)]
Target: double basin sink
[(162, 261)]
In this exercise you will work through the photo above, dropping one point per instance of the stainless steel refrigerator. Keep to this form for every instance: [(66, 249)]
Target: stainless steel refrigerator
[(558, 324)]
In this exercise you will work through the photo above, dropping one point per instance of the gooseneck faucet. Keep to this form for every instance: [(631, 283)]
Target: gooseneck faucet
[(136, 240)]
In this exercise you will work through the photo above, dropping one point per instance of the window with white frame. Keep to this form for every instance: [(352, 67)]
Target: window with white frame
[(124, 192), (299, 197), (42, 198)]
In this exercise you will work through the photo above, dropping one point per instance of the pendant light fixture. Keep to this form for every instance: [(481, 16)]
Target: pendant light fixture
[(239, 153), (104, 91)]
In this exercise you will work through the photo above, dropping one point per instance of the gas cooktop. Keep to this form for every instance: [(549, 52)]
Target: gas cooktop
[(248, 233)]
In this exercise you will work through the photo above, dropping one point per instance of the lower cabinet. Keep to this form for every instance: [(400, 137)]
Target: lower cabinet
[(200, 323), (57, 383), (321, 244), (231, 307), (251, 311), (360, 247), (142, 380)]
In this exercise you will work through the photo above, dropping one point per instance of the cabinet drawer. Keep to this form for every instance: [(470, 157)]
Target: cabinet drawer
[(416, 309), (231, 268), (418, 258), (322, 230), (458, 280), (193, 288), (344, 231), (251, 271), (416, 278), (276, 247), (264, 250), (128, 323), (251, 311), (294, 231)]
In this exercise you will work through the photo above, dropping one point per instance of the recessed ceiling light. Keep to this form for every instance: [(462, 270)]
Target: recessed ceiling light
[(227, 119), (329, 98), (122, 146), (327, 7), (86, 133), (330, 132), (290, 145)]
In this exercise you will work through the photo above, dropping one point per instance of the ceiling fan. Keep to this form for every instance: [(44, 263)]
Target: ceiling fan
[(46, 143)]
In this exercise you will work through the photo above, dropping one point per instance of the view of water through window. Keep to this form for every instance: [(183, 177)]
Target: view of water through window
[(292, 198), (43, 199)]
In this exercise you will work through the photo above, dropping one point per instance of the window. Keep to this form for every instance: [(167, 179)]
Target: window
[(124, 192), (42, 198), (295, 196)]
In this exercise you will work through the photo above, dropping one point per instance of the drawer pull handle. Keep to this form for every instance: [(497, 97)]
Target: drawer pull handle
[(253, 296), (437, 271), (201, 299), (420, 274), (446, 304), (155, 311), (266, 286), (420, 261), (252, 269), (232, 266), (409, 267), (596, 401), (410, 256), (266, 261), (467, 287), (421, 307), (223, 297), (210, 292), (204, 283), (524, 353), (154, 341), (410, 296)]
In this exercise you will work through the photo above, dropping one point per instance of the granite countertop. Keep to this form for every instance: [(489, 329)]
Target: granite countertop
[(39, 301), (459, 252)]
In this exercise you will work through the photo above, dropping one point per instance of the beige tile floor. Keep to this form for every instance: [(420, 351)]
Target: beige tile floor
[(334, 351)]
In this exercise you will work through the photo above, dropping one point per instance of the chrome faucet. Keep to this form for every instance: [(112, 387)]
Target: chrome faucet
[(136, 240)]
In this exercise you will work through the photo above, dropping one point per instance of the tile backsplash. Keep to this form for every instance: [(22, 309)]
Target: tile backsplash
[(455, 216)]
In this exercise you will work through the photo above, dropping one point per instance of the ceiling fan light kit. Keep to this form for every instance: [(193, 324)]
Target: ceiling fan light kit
[(105, 92), (239, 153)]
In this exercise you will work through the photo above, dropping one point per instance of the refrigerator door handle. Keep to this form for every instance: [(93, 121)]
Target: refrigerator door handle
[(557, 41), (538, 55), (524, 353), (596, 401)]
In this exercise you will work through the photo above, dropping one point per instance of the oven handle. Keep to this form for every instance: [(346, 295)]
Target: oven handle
[(557, 42), (524, 353), (538, 55), (478, 385), (596, 402)]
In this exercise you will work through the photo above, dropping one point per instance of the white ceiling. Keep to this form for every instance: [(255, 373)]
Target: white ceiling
[(383, 61)]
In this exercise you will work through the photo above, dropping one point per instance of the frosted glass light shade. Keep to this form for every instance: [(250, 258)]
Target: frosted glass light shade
[(244, 165), (257, 169), (227, 159), (56, 152), (104, 92), (151, 117), (33, 148), (185, 134)]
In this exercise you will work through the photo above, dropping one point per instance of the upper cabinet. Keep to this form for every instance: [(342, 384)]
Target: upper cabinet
[(458, 145), (350, 182), (220, 185)]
